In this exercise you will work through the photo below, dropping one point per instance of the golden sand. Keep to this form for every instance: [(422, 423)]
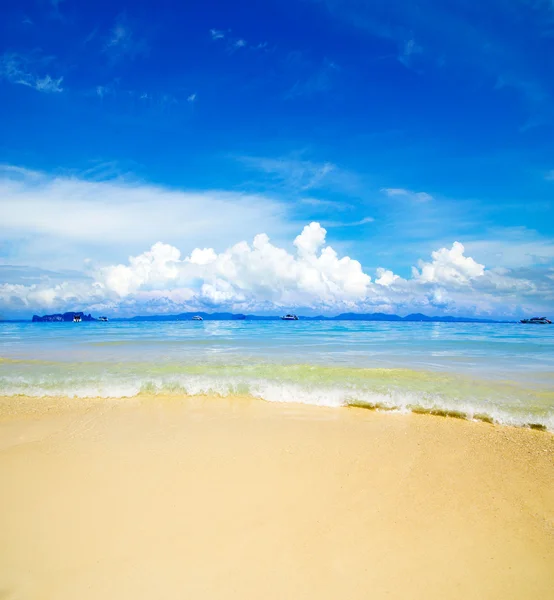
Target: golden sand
[(238, 499)]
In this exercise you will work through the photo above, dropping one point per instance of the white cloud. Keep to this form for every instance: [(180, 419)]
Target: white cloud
[(203, 256), (257, 273), (45, 84), (42, 215), (513, 248), (261, 276), (300, 176), (55, 222), (192, 98), (216, 34), (122, 42), (156, 266), (313, 79), (449, 267), (408, 50), (364, 221), (103, 90), (408, 194), (235, 43), (385, 277), (21, 70)]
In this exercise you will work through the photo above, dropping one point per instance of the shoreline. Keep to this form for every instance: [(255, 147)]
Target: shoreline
[(211, 497), (16, 404)]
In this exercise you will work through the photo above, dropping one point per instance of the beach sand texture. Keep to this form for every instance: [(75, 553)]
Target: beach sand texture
[(178, 498)]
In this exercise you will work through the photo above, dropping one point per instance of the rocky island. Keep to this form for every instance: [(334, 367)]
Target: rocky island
[(63, 317)]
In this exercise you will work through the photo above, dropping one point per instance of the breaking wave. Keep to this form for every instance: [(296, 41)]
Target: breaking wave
[(403, 390)]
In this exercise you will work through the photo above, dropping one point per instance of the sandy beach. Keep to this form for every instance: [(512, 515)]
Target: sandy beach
[(234, 498)]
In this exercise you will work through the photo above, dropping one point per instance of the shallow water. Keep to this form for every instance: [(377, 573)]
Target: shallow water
[(501, 372)]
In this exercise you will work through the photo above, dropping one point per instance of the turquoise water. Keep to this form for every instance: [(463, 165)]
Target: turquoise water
[(498, 372)]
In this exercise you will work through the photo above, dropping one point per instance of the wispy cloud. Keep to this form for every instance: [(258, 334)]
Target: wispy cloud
[(45, 84), (90, 36), (409, 49), (233, 43), (103, 90), (550, 175), (302, 175), (119, 214), (216, 34), (192, 98), (325, 204), (311, 79), (23, 70), (122, 42), (504, 44), (137, 97), (407, 194), (364, 221)]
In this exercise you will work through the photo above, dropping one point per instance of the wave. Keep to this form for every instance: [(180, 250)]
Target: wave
[(402, 390)]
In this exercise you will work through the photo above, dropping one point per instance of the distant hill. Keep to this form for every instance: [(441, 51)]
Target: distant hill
[(365, 317), (342, 317), (226, 316), (188, 317)]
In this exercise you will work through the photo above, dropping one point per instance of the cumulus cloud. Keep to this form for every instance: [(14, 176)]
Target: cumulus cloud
[(449, 267), (253, 273), (385, 277), (156, 266)]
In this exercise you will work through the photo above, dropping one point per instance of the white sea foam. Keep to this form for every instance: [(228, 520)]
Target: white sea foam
[(324, 388)]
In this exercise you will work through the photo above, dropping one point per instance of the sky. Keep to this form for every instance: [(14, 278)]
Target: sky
[(317, 156)]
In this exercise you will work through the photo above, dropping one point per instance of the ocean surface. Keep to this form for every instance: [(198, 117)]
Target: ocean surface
[(502, 373)]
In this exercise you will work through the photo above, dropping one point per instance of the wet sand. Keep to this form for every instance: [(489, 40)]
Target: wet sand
[(226, 499)]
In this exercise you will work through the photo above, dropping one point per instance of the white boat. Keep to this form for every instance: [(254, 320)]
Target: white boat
[(197, 318), (77, 318), (289, 318), (104, 319)]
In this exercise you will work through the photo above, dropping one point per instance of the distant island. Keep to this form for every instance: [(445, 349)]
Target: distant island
[(62, 317), (342, 317), (224, 316)]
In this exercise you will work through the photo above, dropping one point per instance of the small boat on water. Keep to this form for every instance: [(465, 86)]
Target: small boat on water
[(289, 318), (77, 318), (104, 319), (197, 318), (537, 321)]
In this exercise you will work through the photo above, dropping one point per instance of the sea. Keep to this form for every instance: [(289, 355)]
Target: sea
[(500, 372)]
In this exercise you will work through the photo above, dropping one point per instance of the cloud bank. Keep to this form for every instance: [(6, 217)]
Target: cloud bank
[(58, 221), (261, 276)]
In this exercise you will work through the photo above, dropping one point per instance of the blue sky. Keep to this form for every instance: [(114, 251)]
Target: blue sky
[(400, 128)]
